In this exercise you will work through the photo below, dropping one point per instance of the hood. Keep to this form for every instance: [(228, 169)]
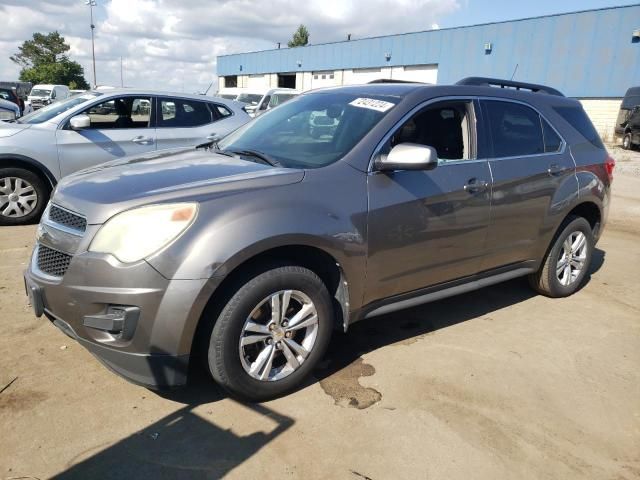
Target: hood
[(8, 129), (165, 176)]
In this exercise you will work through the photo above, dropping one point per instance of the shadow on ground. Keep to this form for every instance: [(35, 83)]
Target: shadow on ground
[(183, 445), (186, 445)]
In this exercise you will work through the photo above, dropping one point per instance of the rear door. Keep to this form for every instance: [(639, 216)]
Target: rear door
[(118, 129), (531, 166), (182, 122), (428, 227)]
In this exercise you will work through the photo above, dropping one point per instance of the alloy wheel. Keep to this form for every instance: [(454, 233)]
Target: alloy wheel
[(572, 258), (17, 197), (278, 335)]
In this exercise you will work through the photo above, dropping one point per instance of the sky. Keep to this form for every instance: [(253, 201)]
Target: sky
[(173, 44)]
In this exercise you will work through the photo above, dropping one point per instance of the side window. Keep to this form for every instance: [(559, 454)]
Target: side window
[(219, 110), (515, 129), (445, 126), (181, 113), (123, 112), (552, 142)]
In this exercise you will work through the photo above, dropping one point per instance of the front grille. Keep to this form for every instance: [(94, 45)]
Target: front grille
[(52, 262), (68, 219)]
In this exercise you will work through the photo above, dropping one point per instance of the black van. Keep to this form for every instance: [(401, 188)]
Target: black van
[(631, 99)]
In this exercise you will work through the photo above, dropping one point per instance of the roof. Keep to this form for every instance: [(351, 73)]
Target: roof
[(385, 89), (523, 19), (140, 91)]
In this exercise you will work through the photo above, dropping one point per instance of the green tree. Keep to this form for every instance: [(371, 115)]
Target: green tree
[(44, 59), (300, 37)]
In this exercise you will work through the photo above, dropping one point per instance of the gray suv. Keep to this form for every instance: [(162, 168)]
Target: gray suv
[(249, 252), (85, 130)]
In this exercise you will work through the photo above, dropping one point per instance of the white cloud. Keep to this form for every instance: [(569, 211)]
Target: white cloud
[(173, 44)]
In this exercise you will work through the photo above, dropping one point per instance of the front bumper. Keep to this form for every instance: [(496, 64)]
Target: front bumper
[(153, 349)]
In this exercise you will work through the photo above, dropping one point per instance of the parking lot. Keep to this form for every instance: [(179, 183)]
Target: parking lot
[(499, 383)]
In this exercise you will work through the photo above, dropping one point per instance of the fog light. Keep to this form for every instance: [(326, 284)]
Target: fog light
[(119, 320)]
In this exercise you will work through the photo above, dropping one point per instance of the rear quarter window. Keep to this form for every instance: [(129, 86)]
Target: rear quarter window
[(578, 119)]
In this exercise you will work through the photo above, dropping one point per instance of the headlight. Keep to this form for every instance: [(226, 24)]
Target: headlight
[(135, 234)]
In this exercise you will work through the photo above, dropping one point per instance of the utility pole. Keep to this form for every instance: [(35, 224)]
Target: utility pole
[(121, 81), (92, 3)]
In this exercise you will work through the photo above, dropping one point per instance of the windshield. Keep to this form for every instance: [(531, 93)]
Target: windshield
[(50, 111), (251, 98), (310, 131), (40, 92)]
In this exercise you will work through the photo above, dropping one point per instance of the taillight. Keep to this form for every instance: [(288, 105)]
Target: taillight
[(609, 165)]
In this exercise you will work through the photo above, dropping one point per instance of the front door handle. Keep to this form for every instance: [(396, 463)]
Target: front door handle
[(475, 186), (142, 140), (555, 169)]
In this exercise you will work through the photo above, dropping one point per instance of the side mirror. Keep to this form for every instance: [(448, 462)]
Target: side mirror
[(408, 156), (80, 121)]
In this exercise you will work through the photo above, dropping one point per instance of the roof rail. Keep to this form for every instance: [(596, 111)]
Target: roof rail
[(496, 82), (391, 80)]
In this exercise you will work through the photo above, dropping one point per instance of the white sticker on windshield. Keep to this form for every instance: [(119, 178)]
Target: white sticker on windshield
[(372, 104)]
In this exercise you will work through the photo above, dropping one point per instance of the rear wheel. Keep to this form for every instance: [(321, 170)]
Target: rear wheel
[(271, 334), (568, 260), (23, 196)]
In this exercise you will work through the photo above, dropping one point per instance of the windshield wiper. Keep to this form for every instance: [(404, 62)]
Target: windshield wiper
[(259, 155)]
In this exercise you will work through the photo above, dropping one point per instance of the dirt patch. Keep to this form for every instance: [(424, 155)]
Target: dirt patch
[(21, 400), (345, 388)]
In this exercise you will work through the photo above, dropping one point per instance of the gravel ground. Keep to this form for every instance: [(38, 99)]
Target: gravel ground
[(627, 161)]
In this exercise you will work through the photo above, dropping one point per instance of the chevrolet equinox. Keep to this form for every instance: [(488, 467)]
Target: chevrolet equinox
[(339, 205)]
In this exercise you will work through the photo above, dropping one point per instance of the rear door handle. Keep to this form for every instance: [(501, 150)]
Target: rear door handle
[(475, 186), (142, 140), (555, 169)]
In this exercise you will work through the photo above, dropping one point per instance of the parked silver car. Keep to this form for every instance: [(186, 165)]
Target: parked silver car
[(95, 127)]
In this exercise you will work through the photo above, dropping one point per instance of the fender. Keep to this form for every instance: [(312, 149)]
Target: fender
[(16, 160), (231, 230)]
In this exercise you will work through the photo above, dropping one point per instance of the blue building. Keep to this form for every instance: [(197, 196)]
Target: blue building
[(592, 55)]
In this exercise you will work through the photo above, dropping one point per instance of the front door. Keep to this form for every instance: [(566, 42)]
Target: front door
[(530, 165), (429, 227), (120, 127)]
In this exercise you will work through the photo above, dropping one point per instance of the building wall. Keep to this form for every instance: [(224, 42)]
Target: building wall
[(583, 54), (603, 113)]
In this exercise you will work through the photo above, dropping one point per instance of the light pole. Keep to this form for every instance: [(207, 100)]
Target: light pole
[(92, 3)]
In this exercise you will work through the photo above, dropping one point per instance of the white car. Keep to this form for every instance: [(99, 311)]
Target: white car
[(96, 127), (273, 98), (43, 95)]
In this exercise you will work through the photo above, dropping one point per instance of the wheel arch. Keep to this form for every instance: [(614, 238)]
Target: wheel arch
[(316, 259), (9, 160)]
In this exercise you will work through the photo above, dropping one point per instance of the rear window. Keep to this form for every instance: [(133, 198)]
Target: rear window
[(578, 119)]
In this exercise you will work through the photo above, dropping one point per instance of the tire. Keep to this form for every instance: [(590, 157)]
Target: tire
[(30, 190), (626, 142), (236, 367), (554, 280)]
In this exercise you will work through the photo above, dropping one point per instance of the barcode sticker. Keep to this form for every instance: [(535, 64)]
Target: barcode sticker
[(372, 104)]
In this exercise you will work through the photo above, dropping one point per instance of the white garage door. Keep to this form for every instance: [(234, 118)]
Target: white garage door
[(416, 73), (323, 79), (258, 82), (364, 75)]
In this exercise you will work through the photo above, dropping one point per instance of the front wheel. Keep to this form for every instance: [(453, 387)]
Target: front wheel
[(626, 141), (271, 334), (23, 196), (567, 261)]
